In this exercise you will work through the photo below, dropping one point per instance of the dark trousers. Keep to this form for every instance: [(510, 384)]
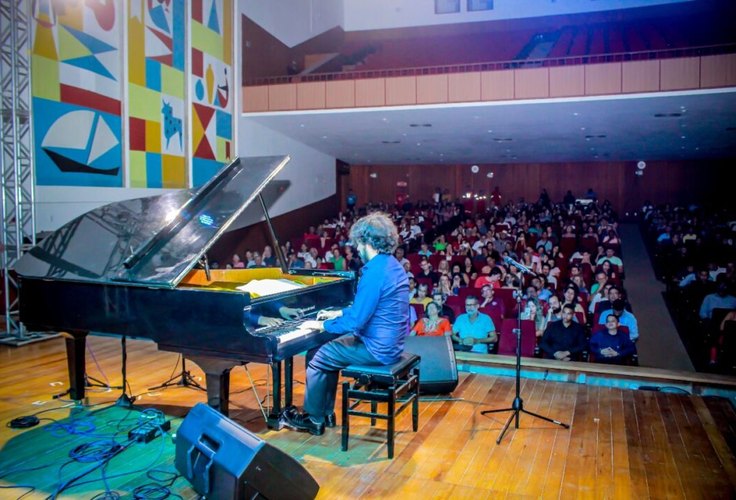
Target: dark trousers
[(323, 369)]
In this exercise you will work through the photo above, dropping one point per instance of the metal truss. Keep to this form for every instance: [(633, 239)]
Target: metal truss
[(16, 156)]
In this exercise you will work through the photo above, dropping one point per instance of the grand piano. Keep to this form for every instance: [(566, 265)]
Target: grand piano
[(138, 269)]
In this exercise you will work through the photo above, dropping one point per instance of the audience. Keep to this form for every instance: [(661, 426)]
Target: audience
[(474, 331), (432, 325), (564, 340), (611, 345)]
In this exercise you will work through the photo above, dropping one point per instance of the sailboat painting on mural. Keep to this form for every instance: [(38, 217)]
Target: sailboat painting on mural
[(75, 64)]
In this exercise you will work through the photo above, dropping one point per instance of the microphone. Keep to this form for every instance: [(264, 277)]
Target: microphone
[(508, 260)]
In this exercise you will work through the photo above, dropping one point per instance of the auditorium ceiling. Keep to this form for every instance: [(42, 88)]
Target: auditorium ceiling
[(662, 126)]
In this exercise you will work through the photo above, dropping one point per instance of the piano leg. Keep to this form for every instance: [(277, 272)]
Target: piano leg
[(273, 420), (217, 376), (76, 344), (218, 391)]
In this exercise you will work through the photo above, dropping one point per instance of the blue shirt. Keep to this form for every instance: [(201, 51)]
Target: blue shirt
[(379, 315), (626, 319), (619, 343), (479, 329)]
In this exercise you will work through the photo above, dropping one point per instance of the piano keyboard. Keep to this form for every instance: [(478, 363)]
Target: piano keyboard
[(286, 331)]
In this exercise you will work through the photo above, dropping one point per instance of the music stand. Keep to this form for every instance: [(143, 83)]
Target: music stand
[(183, 378), (517, 406)]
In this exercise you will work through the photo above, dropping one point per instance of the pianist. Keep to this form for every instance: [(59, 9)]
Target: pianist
[(372, 329)]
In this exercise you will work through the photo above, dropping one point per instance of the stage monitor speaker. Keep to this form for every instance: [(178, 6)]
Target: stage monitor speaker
[(223, 460), (438, 368)]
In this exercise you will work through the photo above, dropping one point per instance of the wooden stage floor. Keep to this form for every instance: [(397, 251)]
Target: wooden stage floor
[(621, 444)]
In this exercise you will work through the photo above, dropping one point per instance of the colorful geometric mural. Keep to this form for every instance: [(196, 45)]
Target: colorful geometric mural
[(211, 85), (76, 89), (77, 61), (156, 94)]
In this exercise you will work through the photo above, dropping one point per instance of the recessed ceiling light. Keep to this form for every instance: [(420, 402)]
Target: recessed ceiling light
[(576, 114), (301, 125), (324, 137)]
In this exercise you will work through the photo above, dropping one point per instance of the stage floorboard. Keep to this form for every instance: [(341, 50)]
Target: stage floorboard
[(621, 444)]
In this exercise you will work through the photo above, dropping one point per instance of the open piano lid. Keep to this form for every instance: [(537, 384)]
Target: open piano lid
[(152, 241)]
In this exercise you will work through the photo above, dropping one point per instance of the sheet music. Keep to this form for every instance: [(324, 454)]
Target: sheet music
[(259, 288)]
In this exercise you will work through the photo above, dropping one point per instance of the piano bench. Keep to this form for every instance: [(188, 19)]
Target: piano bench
[(381, 384)]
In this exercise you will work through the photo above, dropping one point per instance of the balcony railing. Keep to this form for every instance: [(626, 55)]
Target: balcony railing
[(498, 65)]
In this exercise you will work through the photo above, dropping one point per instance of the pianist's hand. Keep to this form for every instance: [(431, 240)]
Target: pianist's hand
[(290, 312), (312, 325), (268, 321), (325, 314)]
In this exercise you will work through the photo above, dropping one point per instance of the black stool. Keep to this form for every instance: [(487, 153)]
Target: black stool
[(384, 384)]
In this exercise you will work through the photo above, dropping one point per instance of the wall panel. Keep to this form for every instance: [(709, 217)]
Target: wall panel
[(603, 79), (680, 74), (718, 71), (640, 76), (662, 182)]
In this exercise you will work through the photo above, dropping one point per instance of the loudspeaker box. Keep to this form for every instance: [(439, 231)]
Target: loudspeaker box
[(223, 460), (438, 368)]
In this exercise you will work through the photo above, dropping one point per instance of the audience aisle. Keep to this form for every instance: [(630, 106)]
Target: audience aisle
[(659, 345)]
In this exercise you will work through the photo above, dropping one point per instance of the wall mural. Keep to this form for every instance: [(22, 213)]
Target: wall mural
[(156, 94), (75, 66), (78, 56), (211, 85)]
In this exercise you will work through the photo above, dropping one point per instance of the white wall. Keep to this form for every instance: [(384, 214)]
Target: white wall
[(57, 205), (311, 172), (382, 14), (294, 21)]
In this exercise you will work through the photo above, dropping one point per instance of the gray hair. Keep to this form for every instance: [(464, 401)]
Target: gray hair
[(377, 230)]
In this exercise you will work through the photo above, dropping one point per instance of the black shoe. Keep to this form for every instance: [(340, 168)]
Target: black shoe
[(331, 420), (302, 423)]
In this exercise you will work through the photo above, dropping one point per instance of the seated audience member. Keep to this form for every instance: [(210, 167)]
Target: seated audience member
[(611, 346), (425, 251), (563, 340), (722, 343), (570, 296), (625, 318), (268, 258), (554, 310), (236, 263), (721, 299), (444, 285), (487, 299), (338, 261), (425, 271), (601, 279), (533, 312), (491, 277), (400, 256), (445, 310), (432, 325), (473, 330), (601, 295), (611, 257), (421, 296), (614, 293)]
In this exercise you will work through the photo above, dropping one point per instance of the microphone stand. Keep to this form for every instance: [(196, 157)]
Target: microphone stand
[(183, 379), (517, 406), (124, 400)]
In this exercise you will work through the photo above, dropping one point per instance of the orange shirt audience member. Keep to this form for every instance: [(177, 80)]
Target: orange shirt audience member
[(432, 325)]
